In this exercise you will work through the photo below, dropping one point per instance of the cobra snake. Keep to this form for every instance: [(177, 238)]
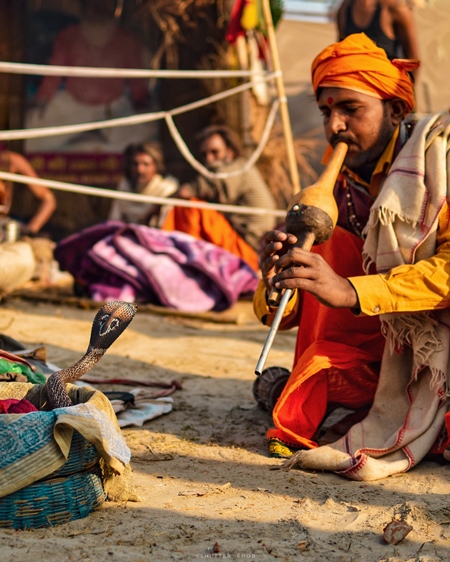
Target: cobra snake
[(109, 322)]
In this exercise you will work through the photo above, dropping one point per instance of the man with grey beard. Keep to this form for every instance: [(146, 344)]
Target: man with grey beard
[(220, 152)]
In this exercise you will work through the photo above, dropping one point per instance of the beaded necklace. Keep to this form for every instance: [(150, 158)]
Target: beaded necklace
[(353, 223)]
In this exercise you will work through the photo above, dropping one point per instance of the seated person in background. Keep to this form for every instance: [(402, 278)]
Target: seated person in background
[(16, 164), (389, 23), (240, 234), (96, 41), (17, 261), (143, 166)]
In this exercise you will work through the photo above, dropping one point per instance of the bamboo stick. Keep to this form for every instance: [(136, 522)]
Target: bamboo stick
[(284, 112)]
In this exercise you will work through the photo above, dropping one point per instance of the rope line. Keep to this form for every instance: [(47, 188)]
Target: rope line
[(112, 194), (55, 70), (183, 148), (16, 134), (86, 71)]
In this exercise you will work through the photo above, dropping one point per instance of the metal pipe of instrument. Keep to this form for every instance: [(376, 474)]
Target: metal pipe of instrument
[(311, 217)]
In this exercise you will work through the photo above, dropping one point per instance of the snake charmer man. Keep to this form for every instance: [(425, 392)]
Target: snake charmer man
[(372, 303)]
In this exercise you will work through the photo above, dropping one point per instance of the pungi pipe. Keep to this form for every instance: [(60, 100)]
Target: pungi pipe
[(312, 215)]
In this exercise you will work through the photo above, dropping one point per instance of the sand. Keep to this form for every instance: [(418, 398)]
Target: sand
[(207, 485)]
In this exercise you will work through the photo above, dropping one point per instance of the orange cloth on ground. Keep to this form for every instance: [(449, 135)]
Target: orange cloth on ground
[(356, 63), (212, 226), (337, 354)]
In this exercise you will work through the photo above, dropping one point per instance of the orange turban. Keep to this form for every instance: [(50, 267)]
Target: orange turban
[(356, 63)]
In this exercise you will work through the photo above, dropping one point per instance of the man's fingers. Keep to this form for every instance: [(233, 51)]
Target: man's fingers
[(280, 236), (329, 288), (274, 235), (307, 285), (299, 257), (268, 263), (273, 248), (295, 272), (277, 243)]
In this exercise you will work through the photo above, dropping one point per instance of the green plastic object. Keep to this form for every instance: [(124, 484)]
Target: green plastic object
[(35, 377)]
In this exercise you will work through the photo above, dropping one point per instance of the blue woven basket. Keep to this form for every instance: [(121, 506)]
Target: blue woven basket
[(83, 457), (52, 502)]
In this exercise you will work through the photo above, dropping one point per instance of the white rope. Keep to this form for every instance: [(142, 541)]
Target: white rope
[(86, 71), (54, 70), (183, 148), (131, 120), (112, 194)]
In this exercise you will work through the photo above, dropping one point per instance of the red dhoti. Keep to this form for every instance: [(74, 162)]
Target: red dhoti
[(337, 355)]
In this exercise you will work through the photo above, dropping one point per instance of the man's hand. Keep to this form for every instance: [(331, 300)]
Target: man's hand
[(25, 230), (185, 191), (301, 269), (276, 244)]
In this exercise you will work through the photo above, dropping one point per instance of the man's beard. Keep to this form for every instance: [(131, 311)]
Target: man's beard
[(216, 165), (366, 159), (141, 183)]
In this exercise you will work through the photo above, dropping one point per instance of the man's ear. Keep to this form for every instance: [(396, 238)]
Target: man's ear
[(398, 111)]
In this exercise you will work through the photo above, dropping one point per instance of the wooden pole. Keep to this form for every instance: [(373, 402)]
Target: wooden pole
[(284, 112), (245, 111)]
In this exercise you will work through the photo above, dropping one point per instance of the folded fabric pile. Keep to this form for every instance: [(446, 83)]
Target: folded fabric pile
[(142, 409), (135, 263)]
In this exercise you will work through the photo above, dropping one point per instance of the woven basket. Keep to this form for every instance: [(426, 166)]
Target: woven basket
[(83, 457), (52, 502), (71, 492)]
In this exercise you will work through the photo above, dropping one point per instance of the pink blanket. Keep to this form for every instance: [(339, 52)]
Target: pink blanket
[(118, 261)]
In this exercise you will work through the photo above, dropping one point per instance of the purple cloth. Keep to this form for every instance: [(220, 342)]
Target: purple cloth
[(118, 261)]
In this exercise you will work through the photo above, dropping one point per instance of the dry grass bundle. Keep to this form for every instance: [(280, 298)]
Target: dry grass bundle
[(274, 167), (176, 20), (273, 163), (227, 110)]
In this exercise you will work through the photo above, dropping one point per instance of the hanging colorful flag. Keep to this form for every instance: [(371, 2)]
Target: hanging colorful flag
[(244, 16), (247, 14)]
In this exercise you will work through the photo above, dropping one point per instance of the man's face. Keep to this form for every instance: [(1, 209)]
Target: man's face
[(214, 152), (364, 123), (143, 168)]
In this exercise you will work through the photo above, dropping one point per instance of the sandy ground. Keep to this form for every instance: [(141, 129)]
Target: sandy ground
[(207, 486)]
